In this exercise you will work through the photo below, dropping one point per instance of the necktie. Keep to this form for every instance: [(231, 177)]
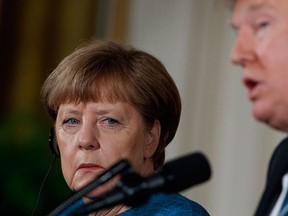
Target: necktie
[(284, 208)]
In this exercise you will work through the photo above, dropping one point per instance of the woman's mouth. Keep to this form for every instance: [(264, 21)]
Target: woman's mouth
[(89, 167)]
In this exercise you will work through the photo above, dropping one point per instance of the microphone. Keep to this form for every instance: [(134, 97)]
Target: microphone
[(133, 190)]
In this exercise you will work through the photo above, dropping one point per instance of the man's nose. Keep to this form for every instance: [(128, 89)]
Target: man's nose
[(243, 50)]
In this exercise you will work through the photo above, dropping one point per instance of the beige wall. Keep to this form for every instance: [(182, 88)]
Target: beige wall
[(193, 39)]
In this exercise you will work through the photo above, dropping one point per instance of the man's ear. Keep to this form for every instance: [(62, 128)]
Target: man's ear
[(152, 140)]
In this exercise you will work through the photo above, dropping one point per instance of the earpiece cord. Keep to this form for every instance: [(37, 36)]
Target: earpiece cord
[(41, 187)]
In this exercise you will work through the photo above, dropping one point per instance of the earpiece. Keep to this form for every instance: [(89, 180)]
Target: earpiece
[(52, 143)]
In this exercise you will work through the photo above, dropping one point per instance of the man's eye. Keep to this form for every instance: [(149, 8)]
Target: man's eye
[(262, 24), (71, 121)]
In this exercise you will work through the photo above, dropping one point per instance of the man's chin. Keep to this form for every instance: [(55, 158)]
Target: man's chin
[(261, 112), (270, 118), (278, 124)]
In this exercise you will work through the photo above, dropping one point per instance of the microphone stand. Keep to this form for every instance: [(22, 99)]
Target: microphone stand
[(129, 191), (120, 167)]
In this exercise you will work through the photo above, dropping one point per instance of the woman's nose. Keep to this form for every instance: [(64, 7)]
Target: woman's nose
[(87, 139), (243, 51)]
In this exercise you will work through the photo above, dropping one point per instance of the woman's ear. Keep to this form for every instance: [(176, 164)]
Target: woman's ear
[(152, 140)]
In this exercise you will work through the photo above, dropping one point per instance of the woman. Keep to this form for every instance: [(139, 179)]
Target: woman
[(110, 102)]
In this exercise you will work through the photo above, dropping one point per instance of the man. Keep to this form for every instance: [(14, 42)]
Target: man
[(261, 49)]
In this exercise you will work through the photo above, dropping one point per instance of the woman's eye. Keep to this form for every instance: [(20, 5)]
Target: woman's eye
[(111, 121), (71, 121)]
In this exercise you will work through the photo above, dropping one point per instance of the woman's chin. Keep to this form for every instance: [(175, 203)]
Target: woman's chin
[(97, 191), (80, 182)]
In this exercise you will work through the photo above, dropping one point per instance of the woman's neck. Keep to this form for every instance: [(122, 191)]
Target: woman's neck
[(111, 211)]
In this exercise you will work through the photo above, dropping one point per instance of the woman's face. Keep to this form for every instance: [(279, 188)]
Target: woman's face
[(94, 136)]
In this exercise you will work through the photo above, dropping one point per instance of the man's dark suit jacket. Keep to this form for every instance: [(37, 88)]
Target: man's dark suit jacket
[(278, 167)]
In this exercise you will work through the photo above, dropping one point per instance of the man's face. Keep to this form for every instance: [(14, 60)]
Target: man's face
[(261, 49)]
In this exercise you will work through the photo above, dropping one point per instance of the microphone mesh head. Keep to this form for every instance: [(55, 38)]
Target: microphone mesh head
[(185, 172)]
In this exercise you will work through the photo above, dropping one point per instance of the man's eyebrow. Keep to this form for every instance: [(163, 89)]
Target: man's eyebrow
[(258, 7), (249, 10), (254, 7)]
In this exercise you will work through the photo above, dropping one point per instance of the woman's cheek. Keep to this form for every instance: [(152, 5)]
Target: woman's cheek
[(66, 171)]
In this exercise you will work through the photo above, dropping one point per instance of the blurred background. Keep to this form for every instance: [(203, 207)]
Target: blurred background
[(193, 40)]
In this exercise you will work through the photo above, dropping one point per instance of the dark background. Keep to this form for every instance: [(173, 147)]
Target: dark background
[(34, 36)]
